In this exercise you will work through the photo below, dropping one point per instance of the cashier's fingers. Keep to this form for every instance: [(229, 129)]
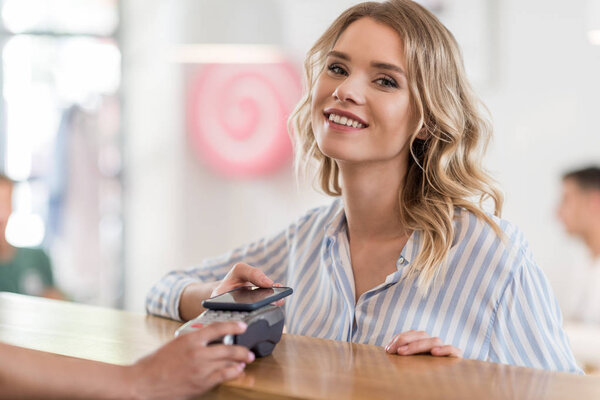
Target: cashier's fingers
[(216, 330), (446, 351), (230, 353), (224, 371)]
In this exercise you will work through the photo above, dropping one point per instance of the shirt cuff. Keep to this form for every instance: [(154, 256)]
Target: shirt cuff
[(176, 295)]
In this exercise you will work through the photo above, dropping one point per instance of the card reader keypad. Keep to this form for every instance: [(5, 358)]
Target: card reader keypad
[(210, 316), (265, 326)]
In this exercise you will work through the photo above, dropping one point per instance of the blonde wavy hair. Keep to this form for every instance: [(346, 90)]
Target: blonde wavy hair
[(446, 148)]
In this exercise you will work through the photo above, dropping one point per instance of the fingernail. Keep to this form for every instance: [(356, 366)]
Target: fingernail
[(403, 348), (241, 366), (251, 357), (242, 325), (387, 348)]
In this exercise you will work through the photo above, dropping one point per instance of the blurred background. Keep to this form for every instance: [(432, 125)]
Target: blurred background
[(146, 135)]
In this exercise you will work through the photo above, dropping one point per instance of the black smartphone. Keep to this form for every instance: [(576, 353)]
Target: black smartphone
[(246, 298)]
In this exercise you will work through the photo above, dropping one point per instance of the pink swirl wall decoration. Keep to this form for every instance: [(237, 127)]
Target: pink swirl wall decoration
[(237, 115)]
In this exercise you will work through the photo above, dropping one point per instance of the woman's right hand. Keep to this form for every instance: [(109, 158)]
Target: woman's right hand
[(245, 275), (242, 275), (190, 304)]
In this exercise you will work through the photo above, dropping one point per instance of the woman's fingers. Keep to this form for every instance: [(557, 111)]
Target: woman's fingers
[(446, 351), (405, 338), (420, 346), (242, 274), (281, 302), (245, 273), (419, 342)]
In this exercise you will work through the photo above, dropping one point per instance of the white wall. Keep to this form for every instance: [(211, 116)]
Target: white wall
[(544, 103), (542, 93)]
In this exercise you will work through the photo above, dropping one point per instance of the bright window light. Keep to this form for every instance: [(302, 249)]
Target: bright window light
[(594, 37), (73, 16), (25, 230), (24, 97)]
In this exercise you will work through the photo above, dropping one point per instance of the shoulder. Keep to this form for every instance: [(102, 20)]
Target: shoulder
[(313, 224), (510, 249), (321, 216)]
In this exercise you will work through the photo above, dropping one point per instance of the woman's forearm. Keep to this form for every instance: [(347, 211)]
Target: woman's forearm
[(190, 303)]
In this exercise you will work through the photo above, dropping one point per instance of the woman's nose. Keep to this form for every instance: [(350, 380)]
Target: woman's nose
[(350, 90)]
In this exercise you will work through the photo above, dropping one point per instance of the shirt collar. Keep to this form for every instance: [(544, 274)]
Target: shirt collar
[(337, 224), (337, 221), (410, 250)]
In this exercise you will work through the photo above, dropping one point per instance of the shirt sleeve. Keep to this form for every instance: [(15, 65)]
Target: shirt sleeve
[(269, 254), (527, 330)]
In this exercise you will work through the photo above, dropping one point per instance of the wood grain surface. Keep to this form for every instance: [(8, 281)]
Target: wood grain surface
[(299, 368)]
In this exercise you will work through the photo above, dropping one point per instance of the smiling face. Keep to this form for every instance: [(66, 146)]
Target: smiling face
[(360, 106)]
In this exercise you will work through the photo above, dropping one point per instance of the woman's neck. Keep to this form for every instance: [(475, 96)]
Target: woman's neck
[(371, 201), (592, 240)]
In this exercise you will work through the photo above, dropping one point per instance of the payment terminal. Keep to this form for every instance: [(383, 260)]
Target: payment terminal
[(251, 305)]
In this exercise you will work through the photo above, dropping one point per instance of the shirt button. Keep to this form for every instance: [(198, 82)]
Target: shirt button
[(400, 261)]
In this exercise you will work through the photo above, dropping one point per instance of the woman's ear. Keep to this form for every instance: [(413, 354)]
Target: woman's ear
[(422, 134)]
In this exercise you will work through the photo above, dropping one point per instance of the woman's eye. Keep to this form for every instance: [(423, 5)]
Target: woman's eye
[(337, 70), (387, 82)]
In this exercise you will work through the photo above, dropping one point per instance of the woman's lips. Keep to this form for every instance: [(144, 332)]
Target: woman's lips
[(343, 121), (342, 128)]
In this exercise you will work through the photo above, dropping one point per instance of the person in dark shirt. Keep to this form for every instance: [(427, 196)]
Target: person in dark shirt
[(22, 270)]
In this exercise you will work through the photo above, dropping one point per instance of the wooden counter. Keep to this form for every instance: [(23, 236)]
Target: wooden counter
[(299, 368)]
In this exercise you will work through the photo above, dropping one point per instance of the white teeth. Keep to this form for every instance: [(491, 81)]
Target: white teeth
[(342, 120)]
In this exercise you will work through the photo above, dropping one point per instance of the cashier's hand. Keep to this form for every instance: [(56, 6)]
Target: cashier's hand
[(419, 342), (187, 367), (244, 275)]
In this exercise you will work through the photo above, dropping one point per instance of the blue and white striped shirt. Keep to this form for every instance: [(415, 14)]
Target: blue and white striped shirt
[(493, 301)]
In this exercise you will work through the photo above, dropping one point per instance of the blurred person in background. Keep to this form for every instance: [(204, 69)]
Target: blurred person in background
[(579, 212), (22, 270)]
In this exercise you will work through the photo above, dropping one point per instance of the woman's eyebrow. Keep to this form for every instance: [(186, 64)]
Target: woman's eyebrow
[(390, 67), (339, 54), (374, 64)]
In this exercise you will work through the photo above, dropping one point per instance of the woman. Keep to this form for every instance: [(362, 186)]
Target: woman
[(404, 258)]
